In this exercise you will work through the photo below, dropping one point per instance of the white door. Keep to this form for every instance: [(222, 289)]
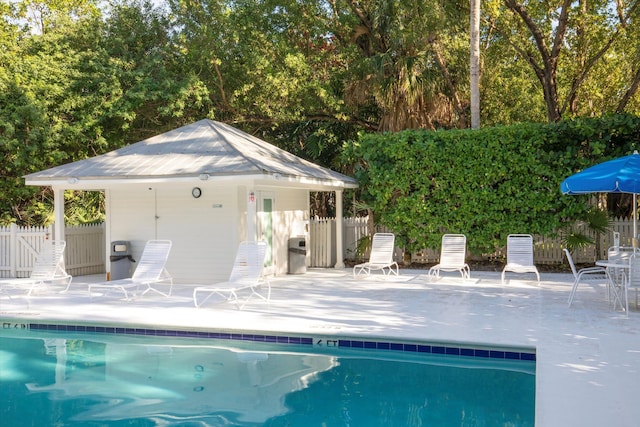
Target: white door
[(265, 229)]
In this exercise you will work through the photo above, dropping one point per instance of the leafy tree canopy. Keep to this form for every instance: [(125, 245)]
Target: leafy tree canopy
[(83, 77)]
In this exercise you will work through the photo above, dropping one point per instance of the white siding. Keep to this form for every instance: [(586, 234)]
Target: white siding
[(242, 193), (205, 231), (131, 217)]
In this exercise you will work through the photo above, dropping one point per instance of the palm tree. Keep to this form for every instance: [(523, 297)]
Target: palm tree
[(596, 220), (407, 69)]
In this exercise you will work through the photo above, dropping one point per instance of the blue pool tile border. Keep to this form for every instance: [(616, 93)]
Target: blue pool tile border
[(351, 343), (174, 333), (448, 350)]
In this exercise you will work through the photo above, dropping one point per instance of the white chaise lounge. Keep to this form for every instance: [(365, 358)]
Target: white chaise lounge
[(381, 257), (150, 272), (246, 276), (48, 269), (452, 256), (520, 255)]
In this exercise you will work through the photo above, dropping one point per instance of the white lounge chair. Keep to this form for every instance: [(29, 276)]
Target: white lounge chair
[(246, 275), (587, 274), (452, 256), (520, 255), (381, 257), (48, 269), (149, 272)]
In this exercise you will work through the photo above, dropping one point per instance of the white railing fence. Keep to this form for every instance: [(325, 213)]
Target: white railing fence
[(322, 233), (547, 250), (85, 251), (19, 248)]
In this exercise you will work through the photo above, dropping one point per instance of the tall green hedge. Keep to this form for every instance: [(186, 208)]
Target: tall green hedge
[(484, 183)]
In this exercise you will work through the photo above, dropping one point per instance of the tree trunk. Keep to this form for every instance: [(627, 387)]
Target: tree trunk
[(546, 71), (474, 66), (635, 84)]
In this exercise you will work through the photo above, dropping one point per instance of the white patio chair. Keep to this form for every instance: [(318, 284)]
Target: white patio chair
[(149, 272), (381, 256), (618, 276), (452, 256), (246, 275), (47, 270), (587, 274), (520, 255), (633, 281)]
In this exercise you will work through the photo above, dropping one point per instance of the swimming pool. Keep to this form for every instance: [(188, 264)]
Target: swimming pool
[(117, 377)]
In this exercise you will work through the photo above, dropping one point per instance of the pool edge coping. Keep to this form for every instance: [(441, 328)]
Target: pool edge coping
[(315, 340)]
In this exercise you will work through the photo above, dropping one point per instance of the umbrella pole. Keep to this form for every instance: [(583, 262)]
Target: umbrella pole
[(635, 219)]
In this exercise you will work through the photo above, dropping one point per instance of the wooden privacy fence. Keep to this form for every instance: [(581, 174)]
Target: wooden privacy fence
[(547, 250), (19, 248)]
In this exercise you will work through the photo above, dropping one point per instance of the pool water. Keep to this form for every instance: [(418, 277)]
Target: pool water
[(66, 379)]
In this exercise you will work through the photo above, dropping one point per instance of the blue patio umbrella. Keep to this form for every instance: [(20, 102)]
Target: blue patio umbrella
[(621, 175)]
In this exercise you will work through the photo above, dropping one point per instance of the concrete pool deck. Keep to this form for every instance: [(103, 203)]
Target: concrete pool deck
[(588, 356)]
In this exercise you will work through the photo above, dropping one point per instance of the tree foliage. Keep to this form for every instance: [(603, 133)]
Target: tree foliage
[(411, 62), (83, 77), (74, 88), (567, 46)]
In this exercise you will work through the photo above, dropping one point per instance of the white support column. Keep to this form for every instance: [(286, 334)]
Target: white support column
[(339, 224), (107, 233), (58, 213)]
